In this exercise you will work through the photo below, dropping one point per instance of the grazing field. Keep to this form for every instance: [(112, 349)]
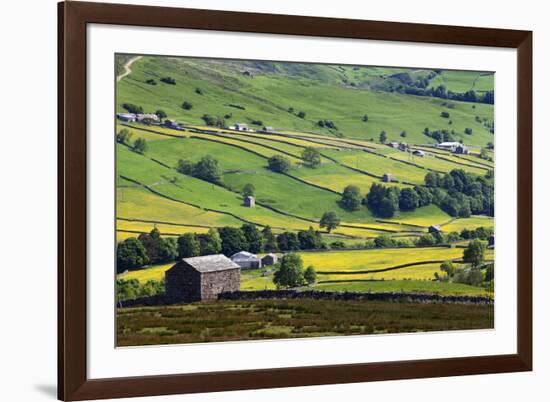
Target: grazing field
[(424, 216), (433, 163), (462, 81), (274, 319), (470, 223), (317, 90), (228, 157), (378, 165), (364, 260)]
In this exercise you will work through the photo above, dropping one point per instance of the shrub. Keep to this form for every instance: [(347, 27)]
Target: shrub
[(131, 108), (278, 163), (310, 276), (290, 274), (330, 221), (123, 136), (351, 198), (248, 190), (187, 105), (140, 145), (311, 156), (337, 245), (161, 114), (151, 81), (130, 254), (384, 241), (168, 80)]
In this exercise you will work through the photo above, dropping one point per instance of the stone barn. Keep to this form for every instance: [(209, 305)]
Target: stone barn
[(269, 259), (246, 260), (434, 229), (387, 178), (201, 278), (249, 201)]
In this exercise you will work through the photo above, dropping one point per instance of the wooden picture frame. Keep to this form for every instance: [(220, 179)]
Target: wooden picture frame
[(73, 17)]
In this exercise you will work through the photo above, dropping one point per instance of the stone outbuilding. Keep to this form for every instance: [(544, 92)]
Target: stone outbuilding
[(387, 178), (249, 201), (246, 260), (434, 229), (201, 278), (269, 259)]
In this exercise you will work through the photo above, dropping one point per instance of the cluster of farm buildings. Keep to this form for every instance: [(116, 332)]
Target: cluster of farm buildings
[(153, 118), (204, 278)]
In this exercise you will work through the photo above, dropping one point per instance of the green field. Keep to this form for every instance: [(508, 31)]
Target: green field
[(462, 81), (348, 270), (152, 193), (274, 319), (317, 90)]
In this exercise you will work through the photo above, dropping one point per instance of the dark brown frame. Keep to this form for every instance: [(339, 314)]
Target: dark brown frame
[(73, 383)]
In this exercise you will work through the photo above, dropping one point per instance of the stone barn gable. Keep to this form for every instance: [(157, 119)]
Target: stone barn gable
[(201, 278)]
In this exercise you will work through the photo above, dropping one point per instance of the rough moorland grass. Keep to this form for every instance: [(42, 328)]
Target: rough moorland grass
[(272, 319), (307, 88)]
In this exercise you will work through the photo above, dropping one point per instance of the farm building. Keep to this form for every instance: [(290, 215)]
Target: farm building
[(434, 229), (394, 144), (246, 260), (129, 117), (201, 278), (269, 259), (268, 129), (249, 201), (455, 147), (170, 124), (147, 116), (461, 149), (403, 146), (387, 177), (419, 153), (241, 127)]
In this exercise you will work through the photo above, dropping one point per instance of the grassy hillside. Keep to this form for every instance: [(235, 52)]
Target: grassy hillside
[(152, 193), (321, 91)]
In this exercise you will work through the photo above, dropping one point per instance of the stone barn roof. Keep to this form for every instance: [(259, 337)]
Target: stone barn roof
[(211, 263), (243, 255)]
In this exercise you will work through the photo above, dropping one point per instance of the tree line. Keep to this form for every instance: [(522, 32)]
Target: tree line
[(151, 248), (458, 193)]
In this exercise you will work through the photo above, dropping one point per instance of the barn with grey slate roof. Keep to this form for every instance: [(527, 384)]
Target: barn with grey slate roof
[(201, 278)]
